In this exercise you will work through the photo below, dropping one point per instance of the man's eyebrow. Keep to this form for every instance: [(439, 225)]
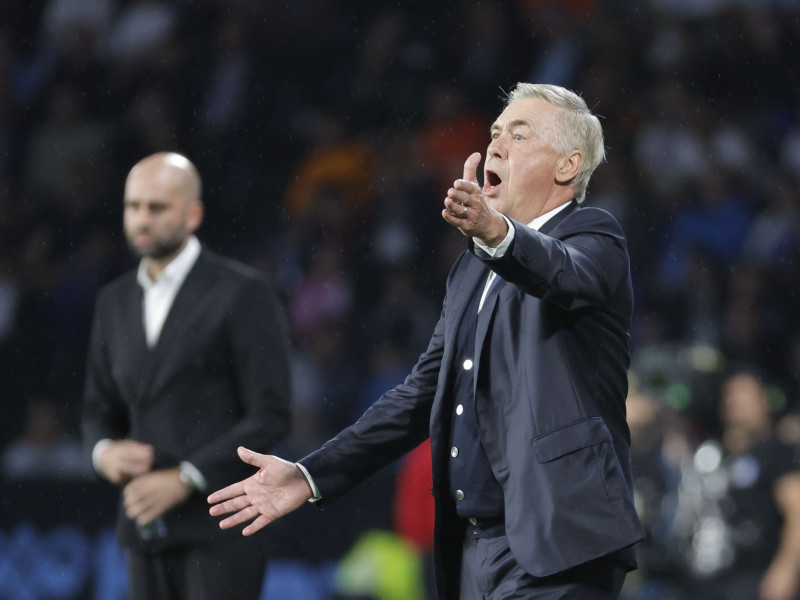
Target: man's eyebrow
[(512, 124), (150, 202)]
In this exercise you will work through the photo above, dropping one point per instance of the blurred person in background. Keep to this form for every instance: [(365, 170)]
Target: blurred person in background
[(659, 445), (45, 450), (738, 514), (187, 359), (522, 388)]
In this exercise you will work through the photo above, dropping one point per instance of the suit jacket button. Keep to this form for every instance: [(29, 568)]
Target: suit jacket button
[(459, 495), (453, 451)]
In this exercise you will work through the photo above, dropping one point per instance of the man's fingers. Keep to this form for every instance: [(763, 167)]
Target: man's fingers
[(131, 466), (234, 490), (143, 451), (149, 515), (140, 509), (256, 525), (133, 450), (132, 492), (471, 167), (229, 506), (125, 458), (240, 517)]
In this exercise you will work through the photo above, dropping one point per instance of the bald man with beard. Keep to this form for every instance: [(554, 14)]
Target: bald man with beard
[(187, 359)]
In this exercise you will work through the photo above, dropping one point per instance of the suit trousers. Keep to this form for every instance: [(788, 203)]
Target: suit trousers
[(230, 567), (489, 571)]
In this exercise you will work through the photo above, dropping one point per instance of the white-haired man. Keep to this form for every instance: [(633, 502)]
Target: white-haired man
[(522, 388)]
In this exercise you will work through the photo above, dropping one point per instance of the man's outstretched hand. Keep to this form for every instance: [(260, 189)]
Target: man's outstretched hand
[(278, 488)]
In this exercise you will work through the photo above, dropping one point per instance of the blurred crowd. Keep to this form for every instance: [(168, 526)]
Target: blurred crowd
[(327, 134)]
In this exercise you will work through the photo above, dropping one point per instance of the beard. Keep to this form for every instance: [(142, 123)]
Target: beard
[(157, 249)]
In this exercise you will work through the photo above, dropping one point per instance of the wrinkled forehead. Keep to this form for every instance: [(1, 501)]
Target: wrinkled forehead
[(533, 113)]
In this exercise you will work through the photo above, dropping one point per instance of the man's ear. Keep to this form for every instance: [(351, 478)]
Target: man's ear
[(568, 166), (195, 216)]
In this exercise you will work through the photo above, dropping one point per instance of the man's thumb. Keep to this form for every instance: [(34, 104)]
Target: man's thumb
[(471, 167), (246, 455)]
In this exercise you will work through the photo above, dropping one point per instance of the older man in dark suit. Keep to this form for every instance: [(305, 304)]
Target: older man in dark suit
[(522, 388), (188, 358)]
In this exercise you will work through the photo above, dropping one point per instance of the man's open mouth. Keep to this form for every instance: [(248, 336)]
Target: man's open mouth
[(492, 179)]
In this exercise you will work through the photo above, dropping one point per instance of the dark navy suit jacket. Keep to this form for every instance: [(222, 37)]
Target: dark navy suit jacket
[(217, 378), (550, 387)]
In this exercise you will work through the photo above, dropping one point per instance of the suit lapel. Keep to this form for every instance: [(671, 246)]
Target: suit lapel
[(555, 220), (485, 317), (469, 281), (133, 316), (469, 284), (131, 311), (132, 350), (178, 321), (500, 286)]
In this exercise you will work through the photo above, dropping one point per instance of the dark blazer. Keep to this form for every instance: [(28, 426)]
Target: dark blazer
[(551, 359), (217, 378)]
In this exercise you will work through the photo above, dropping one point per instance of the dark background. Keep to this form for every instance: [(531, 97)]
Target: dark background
[(327, 133)]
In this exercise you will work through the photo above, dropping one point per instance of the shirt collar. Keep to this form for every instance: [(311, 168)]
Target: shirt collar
[(176, 270), (542, 219)]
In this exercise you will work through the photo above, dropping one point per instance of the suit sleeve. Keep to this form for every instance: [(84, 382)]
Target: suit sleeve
[(258, 341), (581, 267), (395, 424), (104, 412)]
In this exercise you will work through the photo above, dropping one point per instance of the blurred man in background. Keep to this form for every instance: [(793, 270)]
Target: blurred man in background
[(738, 514), (187, 360)]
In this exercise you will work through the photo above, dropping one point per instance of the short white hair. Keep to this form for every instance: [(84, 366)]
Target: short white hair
[(577, 128)]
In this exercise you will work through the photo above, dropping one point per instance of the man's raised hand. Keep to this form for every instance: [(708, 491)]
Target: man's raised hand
[(465, 207)]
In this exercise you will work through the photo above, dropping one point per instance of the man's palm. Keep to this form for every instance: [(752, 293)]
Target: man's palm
[(278, 488)]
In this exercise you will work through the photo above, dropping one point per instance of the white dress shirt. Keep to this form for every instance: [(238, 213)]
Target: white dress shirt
[(160, 294)]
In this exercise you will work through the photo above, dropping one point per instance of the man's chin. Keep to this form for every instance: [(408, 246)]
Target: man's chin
[(162, 252), (139, 250), (153, 251)]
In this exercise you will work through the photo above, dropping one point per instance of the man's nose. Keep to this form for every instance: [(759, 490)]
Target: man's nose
[(496, 148)]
